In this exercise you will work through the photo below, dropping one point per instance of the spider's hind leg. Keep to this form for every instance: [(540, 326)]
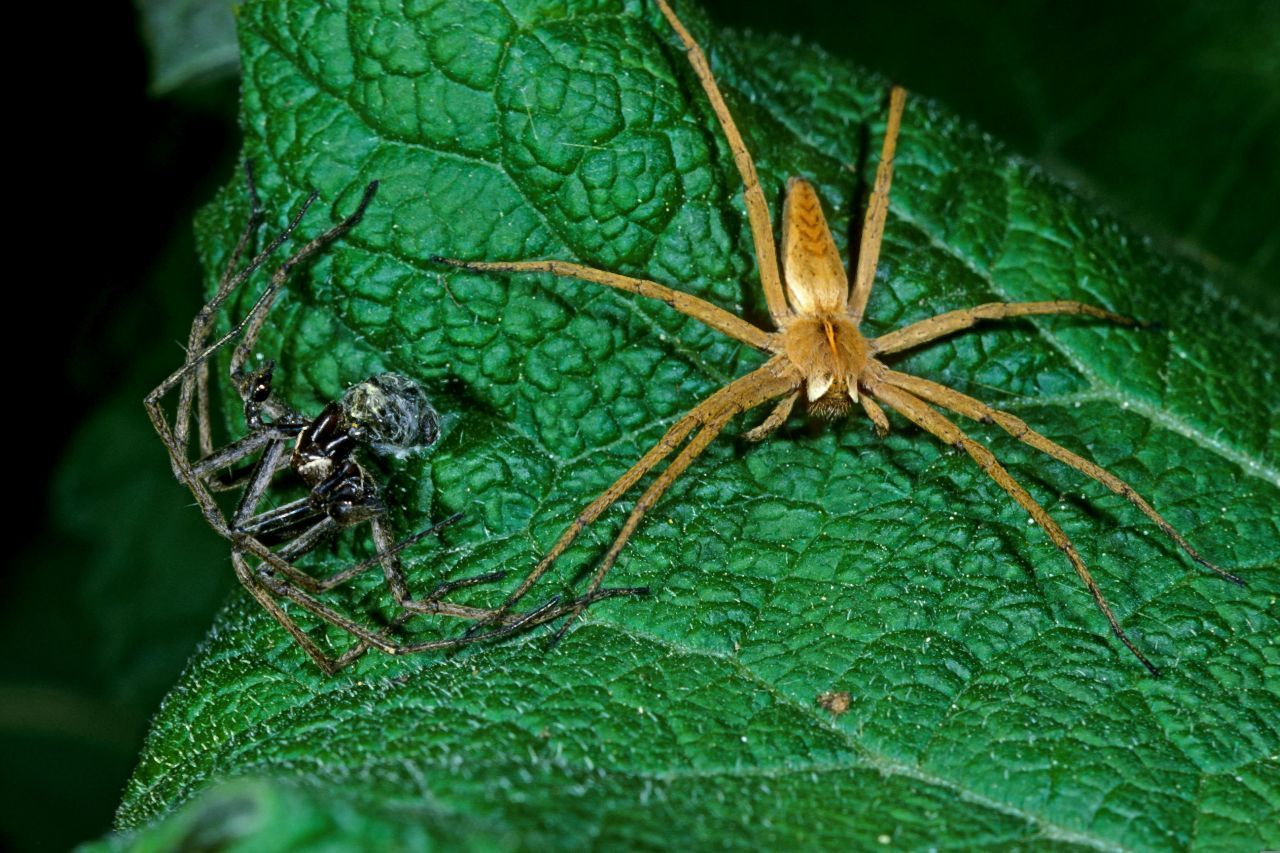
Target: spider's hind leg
[(969, 407), (917, 411)]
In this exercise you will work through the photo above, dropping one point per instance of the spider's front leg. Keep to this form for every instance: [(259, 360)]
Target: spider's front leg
[(774, 379), (175, 437)]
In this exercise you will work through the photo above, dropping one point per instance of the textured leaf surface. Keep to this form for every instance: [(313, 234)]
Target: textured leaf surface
[(988, 706)]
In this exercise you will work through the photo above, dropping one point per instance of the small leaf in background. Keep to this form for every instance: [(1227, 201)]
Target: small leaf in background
[(190, 41), (986, 703)]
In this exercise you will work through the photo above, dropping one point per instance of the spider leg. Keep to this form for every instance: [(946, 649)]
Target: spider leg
[(953, 321), (264, 598), (265, 577), (774, 374), (388, 557), (969, 407), (877, 415), (264, 470), (687, 304), (254, 320), (198, 354), (877, 211), (917, 411), (753, 195), (295, 521), (257, 316), (700, 442), (776, 418), (263, 584), (223, 481), (204, 319), (225, 457), (765, 386), (551, 610)]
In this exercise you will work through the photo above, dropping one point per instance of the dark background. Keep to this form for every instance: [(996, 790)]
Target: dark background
[(1167, 112)]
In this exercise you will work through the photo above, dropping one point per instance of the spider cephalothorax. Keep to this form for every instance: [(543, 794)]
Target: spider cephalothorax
[(388, 413), (817, 350)]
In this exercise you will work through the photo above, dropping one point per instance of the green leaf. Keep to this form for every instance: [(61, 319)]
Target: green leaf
[(190, 41), (1170, 113), (988, 704)]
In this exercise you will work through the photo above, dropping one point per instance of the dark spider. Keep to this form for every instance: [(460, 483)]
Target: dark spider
[(385, 414)]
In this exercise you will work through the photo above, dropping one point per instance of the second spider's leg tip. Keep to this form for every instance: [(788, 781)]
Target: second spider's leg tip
[(370, 190), (476, 628), (453, 519), (1222, 573), (560, 632)]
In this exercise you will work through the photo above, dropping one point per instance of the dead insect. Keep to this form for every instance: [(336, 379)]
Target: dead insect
[(818, 351), (385, 414), (835, 702)]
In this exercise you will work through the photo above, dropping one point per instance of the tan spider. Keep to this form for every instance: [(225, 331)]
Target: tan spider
[(818, 351)]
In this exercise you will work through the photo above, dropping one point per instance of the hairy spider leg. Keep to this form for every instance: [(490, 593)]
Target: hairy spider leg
[(687, 304), (941, 325), (877, 211), (969, 407), (176, 439), (709, 417), (752, 193), (919, 413), (263, 585), (766, 383), (204, 319)]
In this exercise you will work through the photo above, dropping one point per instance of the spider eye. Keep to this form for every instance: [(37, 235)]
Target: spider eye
[(260, 383)]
